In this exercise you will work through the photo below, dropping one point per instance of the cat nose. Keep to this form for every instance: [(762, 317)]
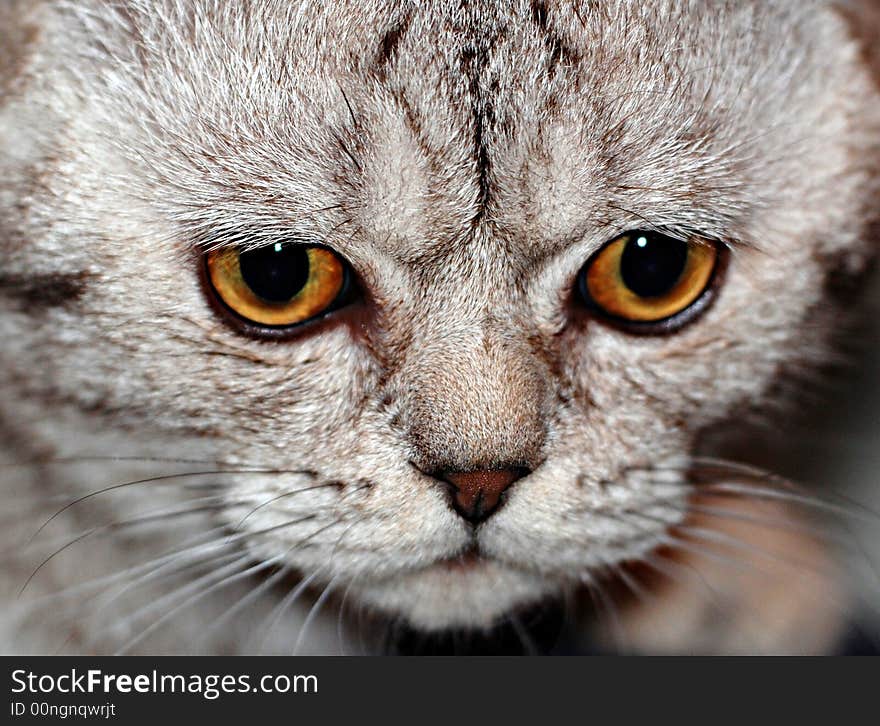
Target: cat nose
[(477, 494)]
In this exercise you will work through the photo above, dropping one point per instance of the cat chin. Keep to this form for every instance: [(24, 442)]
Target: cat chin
[(458, 594)]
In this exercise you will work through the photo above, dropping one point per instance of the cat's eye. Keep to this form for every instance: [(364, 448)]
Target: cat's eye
[(646, 278), (277, 286)]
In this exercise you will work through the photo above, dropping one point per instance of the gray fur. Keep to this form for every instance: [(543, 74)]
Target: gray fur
[(467, 159)]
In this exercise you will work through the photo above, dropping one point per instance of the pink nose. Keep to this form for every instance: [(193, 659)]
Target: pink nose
[(478, 493)]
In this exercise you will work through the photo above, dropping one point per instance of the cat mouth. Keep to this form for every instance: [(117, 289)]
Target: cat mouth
[(469, 559)]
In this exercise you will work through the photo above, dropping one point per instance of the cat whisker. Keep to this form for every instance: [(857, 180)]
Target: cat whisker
[(632, 583), (162, 571), (293, 547), (340, 615), (201, 540), (274, 617), (704, 535), (192, 507), (707, 548), (215, 553), (357, 575), (607, 610), (771, 523), (670, 569), (114, 525), (176, 567), (96, 459), (762, 492), (522, 634), (682, 573), (224, 576), (249, 598), (770, 486), (704, 549), (313, 613), (680, 532), (283, 606), (164, 478), (764, 476), (279, 497), (664, 565), (754, 492)]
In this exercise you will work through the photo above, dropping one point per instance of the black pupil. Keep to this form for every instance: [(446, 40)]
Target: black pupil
[(275, 273), (651, 264)]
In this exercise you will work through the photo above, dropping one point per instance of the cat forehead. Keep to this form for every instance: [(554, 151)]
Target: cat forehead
[(422, 126)]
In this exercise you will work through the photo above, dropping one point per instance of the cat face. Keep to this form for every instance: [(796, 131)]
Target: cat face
[(465, 432)]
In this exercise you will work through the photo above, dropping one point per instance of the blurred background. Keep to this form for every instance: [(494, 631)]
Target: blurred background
[(829, 441)]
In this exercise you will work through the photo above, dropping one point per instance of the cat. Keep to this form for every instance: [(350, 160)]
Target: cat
[(356, 326)]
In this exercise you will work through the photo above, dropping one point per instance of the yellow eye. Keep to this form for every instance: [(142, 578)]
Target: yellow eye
[(279, 285), (646, 277)]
